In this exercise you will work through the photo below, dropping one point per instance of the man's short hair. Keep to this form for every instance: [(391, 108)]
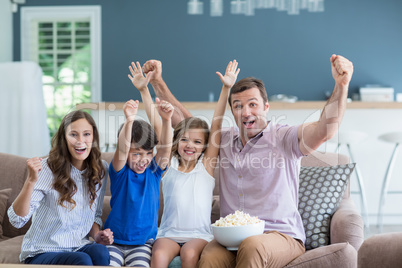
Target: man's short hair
[(247, 83), (142, 135)]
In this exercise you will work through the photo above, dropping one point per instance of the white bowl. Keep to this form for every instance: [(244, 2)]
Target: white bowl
[(232, 236)]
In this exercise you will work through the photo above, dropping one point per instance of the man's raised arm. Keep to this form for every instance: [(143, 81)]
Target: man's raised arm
[(153, 70), (312, 135)]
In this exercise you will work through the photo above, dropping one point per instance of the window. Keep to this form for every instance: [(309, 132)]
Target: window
[(65, 42)]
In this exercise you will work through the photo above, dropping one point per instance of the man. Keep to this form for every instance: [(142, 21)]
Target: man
[(260, 164)]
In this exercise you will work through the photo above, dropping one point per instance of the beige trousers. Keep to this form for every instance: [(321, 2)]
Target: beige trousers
[(271, 249)]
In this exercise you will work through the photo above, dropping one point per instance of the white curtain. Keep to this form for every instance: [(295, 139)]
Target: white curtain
[(23, 127)]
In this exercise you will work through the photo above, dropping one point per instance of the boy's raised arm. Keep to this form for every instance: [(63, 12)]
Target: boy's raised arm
[(124, 141), (211, 153), (165, 110), (141, 83)]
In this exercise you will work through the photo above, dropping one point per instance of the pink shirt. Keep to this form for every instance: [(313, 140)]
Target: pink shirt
[(262, 178)]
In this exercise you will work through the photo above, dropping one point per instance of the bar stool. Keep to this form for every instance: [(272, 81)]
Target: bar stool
[(348, 138), (396, 138)]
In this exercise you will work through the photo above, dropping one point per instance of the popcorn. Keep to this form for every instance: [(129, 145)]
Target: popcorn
[(237, 219)]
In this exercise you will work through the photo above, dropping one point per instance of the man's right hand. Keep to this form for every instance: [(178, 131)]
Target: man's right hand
[(34, 166), (153, 70)]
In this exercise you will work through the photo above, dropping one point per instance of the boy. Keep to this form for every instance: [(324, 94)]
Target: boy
[(135, 176)]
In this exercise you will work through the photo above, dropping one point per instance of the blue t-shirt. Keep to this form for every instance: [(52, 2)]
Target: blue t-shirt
[(135, 204)]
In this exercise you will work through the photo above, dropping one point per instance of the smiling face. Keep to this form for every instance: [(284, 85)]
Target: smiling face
[(191, 145), (139, 159), (79, 137), (249, 111)]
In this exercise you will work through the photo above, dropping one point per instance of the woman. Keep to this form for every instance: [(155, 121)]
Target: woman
[(64, 195)]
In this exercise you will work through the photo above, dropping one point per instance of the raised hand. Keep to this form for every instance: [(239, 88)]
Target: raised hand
[(165, 109), (153, 69), (34, 166), (130, 109), (104, 237), (137, 78), (342, 70), (230, 75)]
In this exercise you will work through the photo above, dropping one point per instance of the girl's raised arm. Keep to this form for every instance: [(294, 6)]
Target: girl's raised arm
[(212, 151), (165, 110)]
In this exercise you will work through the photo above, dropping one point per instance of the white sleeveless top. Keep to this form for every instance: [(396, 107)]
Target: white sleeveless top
[(187, 203)]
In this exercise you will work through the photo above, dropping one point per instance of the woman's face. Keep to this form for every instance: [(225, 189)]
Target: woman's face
[(79, 136), (191, 145)]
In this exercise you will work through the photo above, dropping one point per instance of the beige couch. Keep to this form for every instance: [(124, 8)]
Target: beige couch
[(346, 230), (381, 250)]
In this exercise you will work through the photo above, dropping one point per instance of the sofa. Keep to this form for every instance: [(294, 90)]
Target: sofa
[(381, 250), (346, 225)]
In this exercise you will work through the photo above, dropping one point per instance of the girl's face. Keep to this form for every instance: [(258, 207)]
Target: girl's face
[(191, 145), (79, 136)]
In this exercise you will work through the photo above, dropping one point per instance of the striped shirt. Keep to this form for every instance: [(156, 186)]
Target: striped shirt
[(55, 228)]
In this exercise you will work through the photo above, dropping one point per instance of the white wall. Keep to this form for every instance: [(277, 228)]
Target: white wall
[(6, 30)]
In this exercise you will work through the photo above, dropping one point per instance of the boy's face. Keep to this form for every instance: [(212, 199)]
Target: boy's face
[(139, 159)]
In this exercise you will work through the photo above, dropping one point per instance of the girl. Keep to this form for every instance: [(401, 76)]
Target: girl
[(64, 195), (188, 184)]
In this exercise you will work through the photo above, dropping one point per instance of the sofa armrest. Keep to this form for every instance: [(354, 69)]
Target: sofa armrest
[(347, 224), (106, 209), (215, 213), (382, 250)]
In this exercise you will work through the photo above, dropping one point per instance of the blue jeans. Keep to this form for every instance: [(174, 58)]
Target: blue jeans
[(91, 254)]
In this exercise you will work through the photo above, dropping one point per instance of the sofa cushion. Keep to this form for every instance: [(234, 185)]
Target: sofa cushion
[(11, 249), (13, 172), (321, 190), (106, 208), (332, 256), (4, 195)]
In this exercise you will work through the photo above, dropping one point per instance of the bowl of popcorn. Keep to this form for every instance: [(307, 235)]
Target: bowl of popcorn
[(231, 230)]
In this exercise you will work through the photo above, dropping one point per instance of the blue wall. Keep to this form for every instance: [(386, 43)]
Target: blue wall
[(290, 53)]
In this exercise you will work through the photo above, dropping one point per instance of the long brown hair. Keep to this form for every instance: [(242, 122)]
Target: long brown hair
[(183, 126), (59, 162)]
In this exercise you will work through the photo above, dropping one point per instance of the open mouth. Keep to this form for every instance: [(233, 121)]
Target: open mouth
[(189, 152), (141, 167), (249, 124), (80, 150)]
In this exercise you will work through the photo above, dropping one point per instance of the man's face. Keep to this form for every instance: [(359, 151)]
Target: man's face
[(250, 112)]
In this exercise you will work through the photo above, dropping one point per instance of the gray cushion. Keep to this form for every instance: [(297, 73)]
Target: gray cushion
[(175, 263), (321, 190), (11, 249)]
